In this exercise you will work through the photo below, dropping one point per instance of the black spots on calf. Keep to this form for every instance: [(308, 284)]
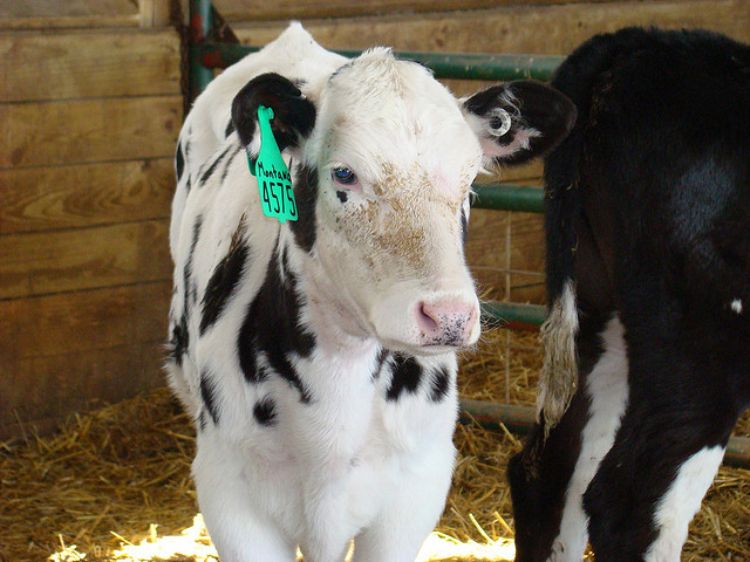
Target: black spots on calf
[(178, 343), (281, 364), (230, 129), (212, 167), (225, 278), (265, 411), (188, 269), (247, 354), (343, 196), (439, 384), (234, 154), (383, 355), (179, 161), (180, 340), (271, 327), (208, 395), (406, 376), (306, 194)]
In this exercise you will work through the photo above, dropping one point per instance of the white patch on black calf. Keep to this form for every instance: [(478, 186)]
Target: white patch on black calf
[(681, 502), (607, 389), (736, 306)]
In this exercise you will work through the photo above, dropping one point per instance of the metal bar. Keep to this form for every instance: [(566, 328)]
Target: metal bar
[(520, 419), (508, 197), (200, 26), (513, 315), (464, 66)]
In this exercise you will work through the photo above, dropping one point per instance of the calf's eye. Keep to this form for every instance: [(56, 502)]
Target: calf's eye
[(344, 176)]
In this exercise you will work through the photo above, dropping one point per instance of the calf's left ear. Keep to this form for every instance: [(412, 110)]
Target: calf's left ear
[(294, 114), (520, 120)]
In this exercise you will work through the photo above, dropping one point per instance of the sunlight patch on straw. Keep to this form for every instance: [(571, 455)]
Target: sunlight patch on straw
[(441, 547)]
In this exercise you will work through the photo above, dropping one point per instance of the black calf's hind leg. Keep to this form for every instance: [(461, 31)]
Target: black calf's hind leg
[(548, 480), (539, 476), (652, 482)]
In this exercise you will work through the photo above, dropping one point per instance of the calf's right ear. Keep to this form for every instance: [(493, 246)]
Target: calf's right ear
[(294, 114)]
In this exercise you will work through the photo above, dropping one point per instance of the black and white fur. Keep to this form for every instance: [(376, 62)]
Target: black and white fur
[(648, 264), (317, 357)]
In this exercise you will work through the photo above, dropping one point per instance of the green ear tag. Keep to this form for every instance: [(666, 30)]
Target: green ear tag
[(274, 181)]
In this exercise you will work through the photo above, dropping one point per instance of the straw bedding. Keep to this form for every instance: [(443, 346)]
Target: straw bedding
[(115, 483)]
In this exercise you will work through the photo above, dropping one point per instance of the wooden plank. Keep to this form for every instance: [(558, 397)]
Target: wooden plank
[(38, 199), (41, 391), (554, 29), (243, 10), (527, 242), (68, 8), (154, 13), (80, 64), (70, 132), (82, 321), (527, 288), (68, 22), (84, 258), (487, 250)]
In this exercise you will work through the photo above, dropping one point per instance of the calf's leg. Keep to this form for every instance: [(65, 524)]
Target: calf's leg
[(410, 510), (549, 477), (238, 530), (665, 455)]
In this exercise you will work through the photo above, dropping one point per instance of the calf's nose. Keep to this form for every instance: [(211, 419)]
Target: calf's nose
[(446, 321)]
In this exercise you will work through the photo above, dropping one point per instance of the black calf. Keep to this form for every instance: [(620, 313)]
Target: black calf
[(648, 238)]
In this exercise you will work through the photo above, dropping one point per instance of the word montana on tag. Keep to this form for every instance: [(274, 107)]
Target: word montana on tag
[(272, 173)]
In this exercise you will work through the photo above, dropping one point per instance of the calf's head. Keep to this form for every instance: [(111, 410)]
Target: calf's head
[(384, 160)]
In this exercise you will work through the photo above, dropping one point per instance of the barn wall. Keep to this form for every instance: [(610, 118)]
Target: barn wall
[(91, 105)]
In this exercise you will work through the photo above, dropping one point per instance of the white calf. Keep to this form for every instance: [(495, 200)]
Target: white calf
[(318, 356)]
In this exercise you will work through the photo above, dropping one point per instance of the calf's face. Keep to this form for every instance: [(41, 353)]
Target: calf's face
[(385, 157)]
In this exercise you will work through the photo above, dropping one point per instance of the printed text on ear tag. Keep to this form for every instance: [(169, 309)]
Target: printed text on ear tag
[(274, 181)]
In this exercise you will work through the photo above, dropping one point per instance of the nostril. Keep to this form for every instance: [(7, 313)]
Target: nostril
[(427, 319)]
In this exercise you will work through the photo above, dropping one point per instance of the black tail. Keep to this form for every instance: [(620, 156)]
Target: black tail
[(577, 78)]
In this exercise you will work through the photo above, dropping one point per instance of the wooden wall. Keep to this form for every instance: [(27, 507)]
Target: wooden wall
[(91, 105)]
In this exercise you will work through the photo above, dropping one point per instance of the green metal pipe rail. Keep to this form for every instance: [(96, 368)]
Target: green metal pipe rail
[(461, 66), (507, 197), (206, 55), (520, 419)]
